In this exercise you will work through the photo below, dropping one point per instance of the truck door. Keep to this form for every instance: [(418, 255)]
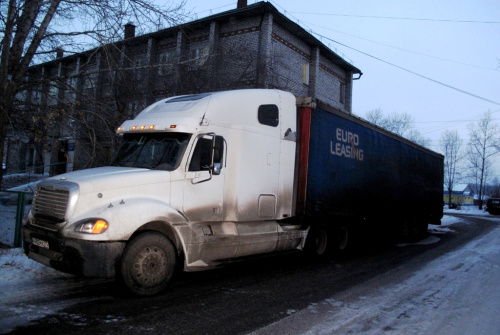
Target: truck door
[(204, 188)]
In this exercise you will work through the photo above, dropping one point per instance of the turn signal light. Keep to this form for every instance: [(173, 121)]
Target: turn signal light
[(99, 227)]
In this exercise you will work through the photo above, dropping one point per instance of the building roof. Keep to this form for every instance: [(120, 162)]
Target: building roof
[(252, 10), (460, 188), (263, 7)]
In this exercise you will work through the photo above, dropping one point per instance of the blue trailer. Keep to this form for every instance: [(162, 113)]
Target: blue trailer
[(355, 175)]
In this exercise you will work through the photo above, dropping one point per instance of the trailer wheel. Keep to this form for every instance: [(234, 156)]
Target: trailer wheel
[(147, 264), (342, 239), (410, 230), (317, 243), (423, 226)]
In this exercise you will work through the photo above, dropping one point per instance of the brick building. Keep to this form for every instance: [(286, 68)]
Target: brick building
[(75, 102)]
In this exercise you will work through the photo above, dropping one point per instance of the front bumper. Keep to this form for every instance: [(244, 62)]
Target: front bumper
[(78, 257)]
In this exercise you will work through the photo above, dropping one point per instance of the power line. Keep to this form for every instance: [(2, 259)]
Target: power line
[(213, 10), (398, 18), (412, 72), (402, 49)]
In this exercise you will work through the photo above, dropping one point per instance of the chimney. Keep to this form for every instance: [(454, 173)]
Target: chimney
[(241, 3), (129, 30), (59, 53)]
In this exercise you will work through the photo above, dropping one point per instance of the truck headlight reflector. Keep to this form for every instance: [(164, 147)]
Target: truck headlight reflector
[(97, 226)]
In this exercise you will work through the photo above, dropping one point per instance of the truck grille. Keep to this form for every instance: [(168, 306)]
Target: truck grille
[(51, 203)]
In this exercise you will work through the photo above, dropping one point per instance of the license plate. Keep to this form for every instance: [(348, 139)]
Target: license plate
[(40, 243)]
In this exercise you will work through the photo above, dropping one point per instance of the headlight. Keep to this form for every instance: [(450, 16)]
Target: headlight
[(94, 226)]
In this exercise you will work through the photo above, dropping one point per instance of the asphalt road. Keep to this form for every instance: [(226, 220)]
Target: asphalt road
[(238, 299)]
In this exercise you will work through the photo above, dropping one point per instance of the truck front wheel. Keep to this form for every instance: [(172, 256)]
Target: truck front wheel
[(148, 263)]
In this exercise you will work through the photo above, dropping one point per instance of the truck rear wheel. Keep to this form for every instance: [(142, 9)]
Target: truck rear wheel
[(148, 264)]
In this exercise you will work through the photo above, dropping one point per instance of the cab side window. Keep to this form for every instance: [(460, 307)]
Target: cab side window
[(269, 115), (202, 155)]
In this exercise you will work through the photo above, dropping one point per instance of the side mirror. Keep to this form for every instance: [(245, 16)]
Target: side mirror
[(216, 168)]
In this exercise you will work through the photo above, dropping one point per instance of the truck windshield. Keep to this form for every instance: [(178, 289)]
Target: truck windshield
[(160, 151)]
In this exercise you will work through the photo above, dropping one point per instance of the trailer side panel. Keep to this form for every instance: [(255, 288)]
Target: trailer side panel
[(359, 171)]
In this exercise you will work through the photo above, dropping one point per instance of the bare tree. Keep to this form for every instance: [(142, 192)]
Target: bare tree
[(415, 136), (376, 116), (484, 143), (451, 146), (402, 124), (32, 30), (398, 123)]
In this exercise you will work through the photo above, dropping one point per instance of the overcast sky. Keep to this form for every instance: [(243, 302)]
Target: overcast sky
[(453, 43)]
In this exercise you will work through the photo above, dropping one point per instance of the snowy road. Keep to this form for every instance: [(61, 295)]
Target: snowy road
[(448, 283), (458, 293)]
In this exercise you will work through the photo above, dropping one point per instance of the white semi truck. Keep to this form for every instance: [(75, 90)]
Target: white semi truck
[(202, 180)]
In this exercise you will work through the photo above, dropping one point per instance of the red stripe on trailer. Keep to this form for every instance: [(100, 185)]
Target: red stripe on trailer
[(304, 135)]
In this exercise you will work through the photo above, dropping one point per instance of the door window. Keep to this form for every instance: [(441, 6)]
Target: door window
[(202, 154)]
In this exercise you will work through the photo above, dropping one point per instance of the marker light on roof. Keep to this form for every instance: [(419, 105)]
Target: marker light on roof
[(133, 128)]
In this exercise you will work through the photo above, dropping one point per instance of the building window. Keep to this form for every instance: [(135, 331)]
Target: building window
[(269, 115), (197, 58), (90, 82), (132, 109), (305, 73), (71, 89), (53, 93), (166, 63), (36, 95), (342, 93), (138, 69)]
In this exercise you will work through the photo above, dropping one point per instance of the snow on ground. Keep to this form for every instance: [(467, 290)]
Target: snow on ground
[(14, 264), (7, 224)]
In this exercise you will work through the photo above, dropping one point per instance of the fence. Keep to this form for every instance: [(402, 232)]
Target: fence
[(14, 204), (13, 208), (32, 174)]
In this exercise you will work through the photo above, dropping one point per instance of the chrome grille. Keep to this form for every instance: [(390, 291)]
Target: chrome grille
[(51, 202)]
